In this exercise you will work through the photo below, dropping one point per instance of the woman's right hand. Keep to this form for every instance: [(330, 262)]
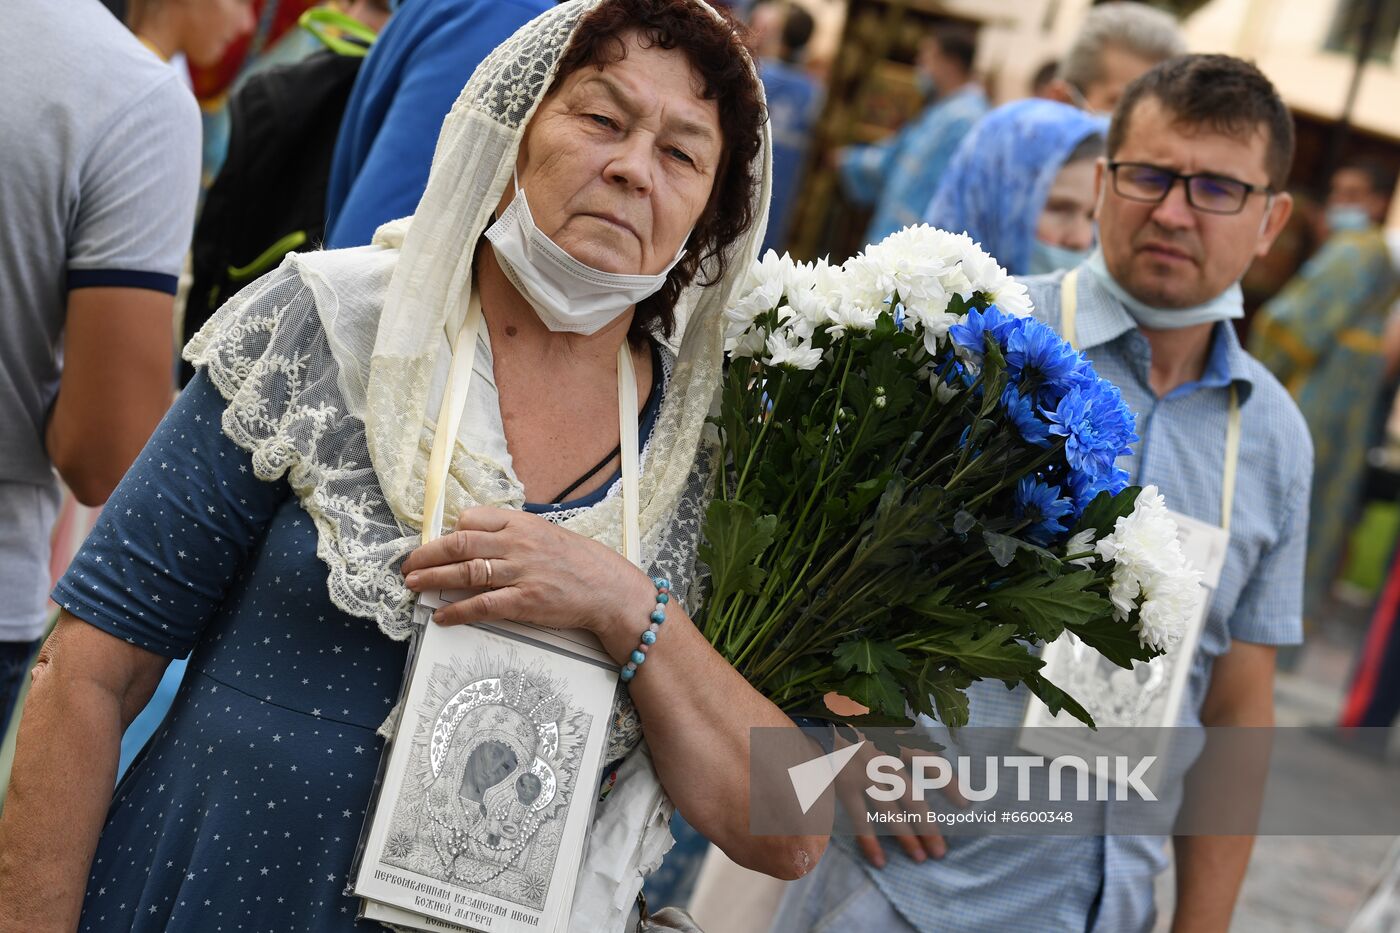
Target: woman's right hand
[(521, 566)]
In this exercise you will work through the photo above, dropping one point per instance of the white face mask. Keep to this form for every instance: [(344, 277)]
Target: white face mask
[(1227, 306), (570, 296)]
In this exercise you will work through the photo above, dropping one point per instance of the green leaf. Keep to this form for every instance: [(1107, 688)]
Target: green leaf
[(877, 721), (735, 536), (866, 492), (876, 692), (933, 607), (1114, 640), (1103, 513), (869, 657), (940, 690), (1056, 699), (895, 741), (991, 653), (1047, 605)]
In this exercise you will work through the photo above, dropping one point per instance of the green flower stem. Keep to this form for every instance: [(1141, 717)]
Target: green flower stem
[(795, 532), (962, 460), (988, 453), (1036, 464), (775, 614), (908, 442), (978, 552), (783, 693), (767, 418), (834, 618)]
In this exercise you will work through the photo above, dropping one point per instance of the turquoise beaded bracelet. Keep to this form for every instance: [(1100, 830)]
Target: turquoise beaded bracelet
[(658, 615)]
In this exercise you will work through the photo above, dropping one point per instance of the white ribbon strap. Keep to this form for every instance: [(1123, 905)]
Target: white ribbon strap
[(1232, 458), (449, 421), (631, 466)]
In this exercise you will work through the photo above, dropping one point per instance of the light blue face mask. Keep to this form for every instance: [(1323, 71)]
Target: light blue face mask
[(1227, 306), (1347, 217), (1046, 257), (926, 85)]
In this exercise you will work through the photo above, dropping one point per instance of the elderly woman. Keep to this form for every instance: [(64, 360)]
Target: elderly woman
[(1022, 185), (604, 167)]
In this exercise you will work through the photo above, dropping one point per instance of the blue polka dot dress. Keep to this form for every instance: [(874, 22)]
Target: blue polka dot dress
[(243, 811)]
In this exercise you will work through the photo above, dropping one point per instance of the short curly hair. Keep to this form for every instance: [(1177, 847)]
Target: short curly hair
[(1219, 93), (714, 48)]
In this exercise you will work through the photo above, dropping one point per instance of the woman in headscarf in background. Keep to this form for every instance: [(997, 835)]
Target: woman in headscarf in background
[(1022, 185)]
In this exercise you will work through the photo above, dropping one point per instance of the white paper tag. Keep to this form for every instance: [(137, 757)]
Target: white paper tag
[(491, 781)]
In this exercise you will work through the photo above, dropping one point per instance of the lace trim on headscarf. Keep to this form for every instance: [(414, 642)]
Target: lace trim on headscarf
[(267, 353)]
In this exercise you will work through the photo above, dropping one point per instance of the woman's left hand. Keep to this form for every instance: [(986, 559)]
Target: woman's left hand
[(520, 566)]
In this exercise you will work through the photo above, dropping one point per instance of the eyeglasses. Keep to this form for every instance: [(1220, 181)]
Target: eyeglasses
[(1213, 194)]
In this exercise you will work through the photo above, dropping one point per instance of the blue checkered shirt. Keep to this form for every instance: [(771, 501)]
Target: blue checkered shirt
[(1106, 882)]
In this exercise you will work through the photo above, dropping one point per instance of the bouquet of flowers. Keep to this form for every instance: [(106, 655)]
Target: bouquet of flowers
[(917, 486)]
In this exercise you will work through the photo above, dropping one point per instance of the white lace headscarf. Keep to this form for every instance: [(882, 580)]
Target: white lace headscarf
[(361, 333)]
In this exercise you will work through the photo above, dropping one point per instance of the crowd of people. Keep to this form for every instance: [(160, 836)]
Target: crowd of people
[(254, 566)]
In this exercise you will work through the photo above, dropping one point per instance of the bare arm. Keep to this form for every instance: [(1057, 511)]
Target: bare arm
[(117, 383), (697, 711), (1210, 869), (87, 687)]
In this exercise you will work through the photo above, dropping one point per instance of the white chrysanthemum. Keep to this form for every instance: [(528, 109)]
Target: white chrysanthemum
[(1082, 543), (943, 392), (768, 279), (863, 282), (842, 317), (739, 317), (811, 292), (769, 269), (1172, 602), (1013, 298), (827, 279), (785, 349), (956, 282), (910, 263), (798, 325), (935, 329), (749, 343), (986, 276), (982, 269), (1150, 567)]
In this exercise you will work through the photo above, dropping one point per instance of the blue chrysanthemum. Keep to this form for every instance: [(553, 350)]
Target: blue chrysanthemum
[(1041, 361), (1083, 488), (1021, 410), (971, 333), (1044, 508), (1096, 424)]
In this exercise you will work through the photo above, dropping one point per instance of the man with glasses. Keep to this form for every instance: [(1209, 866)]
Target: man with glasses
[(1190, 193)]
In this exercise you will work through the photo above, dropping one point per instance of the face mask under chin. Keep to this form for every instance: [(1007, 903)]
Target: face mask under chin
[(1225, 306), (569, 295)]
